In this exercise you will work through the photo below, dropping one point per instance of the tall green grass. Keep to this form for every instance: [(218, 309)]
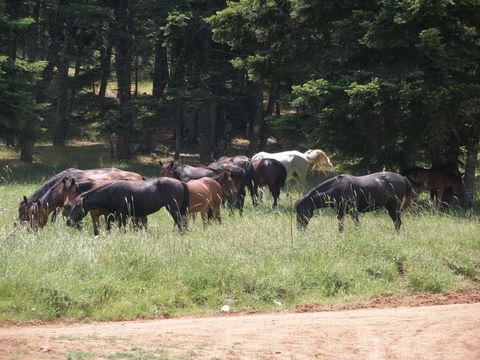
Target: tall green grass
[(246, 262)]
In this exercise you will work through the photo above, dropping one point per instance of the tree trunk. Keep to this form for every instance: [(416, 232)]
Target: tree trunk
[(27, 147), (272, 98), (61, 112), (135, 91), (470, 169), (123, 40), (105, 61), (178, 132), (207, 132), (257, 131), (160, 73)]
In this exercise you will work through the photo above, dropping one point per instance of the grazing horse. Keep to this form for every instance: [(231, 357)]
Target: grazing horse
[(242, 174), (35, 210), (437, 181), (348, 193), (298, 164), (186, 173), (246, 164), (63, 194), (206, 194), (271, 173), (125, 199)]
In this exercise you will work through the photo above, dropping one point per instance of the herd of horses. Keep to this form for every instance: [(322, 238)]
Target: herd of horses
[(119, 195)]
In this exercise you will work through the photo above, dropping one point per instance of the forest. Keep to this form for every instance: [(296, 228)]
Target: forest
[(385, 84)]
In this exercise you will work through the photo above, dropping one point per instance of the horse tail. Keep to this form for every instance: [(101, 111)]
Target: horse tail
[(249, 175), (186, 199), (410, 191), (282, 175)]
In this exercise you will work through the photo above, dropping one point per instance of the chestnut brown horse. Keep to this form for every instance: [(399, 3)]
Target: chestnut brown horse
[(438, 181), (206, 194), (51, 195), (187, 173), (271, 173)]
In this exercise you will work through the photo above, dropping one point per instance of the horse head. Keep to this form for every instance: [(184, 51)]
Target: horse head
[(319, 159), (229, 189), (168, 169), (77, 212)]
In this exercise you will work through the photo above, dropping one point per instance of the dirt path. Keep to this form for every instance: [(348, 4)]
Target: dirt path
[(425, 332)]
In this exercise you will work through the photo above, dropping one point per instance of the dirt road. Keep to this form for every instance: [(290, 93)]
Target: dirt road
[(425, 332)]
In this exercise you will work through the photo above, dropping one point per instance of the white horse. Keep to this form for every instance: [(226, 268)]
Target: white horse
[(297, 163)]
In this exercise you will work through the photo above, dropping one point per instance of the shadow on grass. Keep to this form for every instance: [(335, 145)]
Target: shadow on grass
[(50, 160)]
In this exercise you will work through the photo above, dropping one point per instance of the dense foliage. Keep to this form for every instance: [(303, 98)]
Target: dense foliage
[(386, 83)]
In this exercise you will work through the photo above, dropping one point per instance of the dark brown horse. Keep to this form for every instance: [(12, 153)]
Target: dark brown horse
[(123, 199), (436, 180), (69, 189), (242, 175), (353, 194), (51, 195), (271, 173)]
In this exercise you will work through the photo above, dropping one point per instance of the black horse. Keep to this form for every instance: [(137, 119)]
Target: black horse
[(352, 194), (125, 199), (271, 173), (242, 175)]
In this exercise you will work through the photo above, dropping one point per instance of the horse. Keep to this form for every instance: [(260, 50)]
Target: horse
[(348, 193), (298, 164), (242, 175), (206, 194), (271, 173), (124, 199), (439, 182), (36, 209), (62, 195), (187, 173)]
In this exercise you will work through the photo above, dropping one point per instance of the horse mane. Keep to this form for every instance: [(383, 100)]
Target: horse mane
[(46, 197), (318, 158), (50, 183), (412, 169)]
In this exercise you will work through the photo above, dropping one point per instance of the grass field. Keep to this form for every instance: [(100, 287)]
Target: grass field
[(246, 262)]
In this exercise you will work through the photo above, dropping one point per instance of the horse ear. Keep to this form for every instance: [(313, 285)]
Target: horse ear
[(25, 200), (70, 183), (160, 162)]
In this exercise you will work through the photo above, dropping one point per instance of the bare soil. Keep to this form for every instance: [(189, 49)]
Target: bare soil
[(424, 326)]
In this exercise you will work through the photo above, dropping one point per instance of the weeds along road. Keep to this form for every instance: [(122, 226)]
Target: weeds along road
[(426, 332)]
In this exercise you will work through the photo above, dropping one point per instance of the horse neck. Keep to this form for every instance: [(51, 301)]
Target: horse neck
[(51, 200)]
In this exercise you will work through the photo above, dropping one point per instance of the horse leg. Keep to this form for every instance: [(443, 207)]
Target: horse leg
[(95, 221), (251, 189), (275, 190), (394, 213), (177, 218), (54, 215), (215, 206), (143, 222), (354, 215), (341, 217), (108, 220), (241, 200), (205, 216)]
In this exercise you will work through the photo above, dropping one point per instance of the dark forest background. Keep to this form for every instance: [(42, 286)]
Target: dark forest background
[(386, 83)]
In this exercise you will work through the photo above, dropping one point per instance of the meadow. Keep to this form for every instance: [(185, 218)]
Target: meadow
[(247, 262)]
